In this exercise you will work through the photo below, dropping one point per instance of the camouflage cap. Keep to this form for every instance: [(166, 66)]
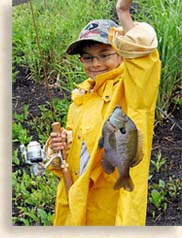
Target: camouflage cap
[(96, 30)]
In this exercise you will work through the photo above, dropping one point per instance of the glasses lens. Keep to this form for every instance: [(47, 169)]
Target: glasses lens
[(90, 59), (86, 59)]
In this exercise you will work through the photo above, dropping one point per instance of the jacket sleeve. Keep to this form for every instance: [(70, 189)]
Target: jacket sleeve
[(137, 42), (142, 65)]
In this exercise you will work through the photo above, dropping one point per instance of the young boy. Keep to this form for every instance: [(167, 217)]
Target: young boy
[(123, 68)]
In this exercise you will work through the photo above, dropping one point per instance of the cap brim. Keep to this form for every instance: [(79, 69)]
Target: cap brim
[(75, 47)]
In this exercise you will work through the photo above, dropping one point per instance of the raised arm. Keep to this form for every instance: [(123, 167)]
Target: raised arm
[(123, 12)]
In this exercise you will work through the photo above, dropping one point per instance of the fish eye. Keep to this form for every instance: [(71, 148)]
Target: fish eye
[(122, 130)]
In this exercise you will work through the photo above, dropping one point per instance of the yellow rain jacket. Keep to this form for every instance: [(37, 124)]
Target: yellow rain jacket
[(133, 85)]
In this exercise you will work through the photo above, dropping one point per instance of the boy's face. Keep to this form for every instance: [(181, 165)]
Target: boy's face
[(98, 59)]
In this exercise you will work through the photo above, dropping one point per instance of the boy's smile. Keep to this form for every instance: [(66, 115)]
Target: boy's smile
[(98, 59)]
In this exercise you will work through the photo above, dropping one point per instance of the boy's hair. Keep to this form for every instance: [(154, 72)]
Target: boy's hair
[(95, 31), (87, 43)]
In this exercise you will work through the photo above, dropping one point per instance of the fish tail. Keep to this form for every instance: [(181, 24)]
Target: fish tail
[(125, 182)]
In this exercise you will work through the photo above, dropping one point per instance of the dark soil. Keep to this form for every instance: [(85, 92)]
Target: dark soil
[(167, 139), (17, 2)]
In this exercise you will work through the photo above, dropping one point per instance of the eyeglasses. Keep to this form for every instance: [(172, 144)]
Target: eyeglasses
[(101, 58)]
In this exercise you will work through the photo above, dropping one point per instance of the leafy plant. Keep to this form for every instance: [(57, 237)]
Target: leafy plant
[(20, 134), (156, 198), (158, 195), (159, 162), (15, 159), (34, 198), (42, 123), (174, 187), (163, 193), (22, 117)]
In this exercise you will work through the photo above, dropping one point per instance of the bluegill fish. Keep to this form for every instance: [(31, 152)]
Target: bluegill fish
[(122, 145)]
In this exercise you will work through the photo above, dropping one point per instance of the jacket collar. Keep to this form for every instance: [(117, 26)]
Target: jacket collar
[(111, 75), (103, 86), (89, 84)]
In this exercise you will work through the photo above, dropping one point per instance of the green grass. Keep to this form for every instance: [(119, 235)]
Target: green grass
[(165, 16), (58, 23)]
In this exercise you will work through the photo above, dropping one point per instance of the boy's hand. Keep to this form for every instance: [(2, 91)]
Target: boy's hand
[(58, 141), (123, 11)]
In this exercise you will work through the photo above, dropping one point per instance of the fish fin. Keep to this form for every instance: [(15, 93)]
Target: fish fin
[(107, 166), (101, 143), (139, 154), (125, 182)]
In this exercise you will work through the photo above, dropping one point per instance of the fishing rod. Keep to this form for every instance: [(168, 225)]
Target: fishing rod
[(42, 63), (33, 154)]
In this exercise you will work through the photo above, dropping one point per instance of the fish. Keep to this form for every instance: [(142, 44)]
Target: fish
[(122, 144)]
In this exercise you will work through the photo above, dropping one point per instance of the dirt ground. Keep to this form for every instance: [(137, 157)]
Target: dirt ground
[(167, 138), (17, 2)]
